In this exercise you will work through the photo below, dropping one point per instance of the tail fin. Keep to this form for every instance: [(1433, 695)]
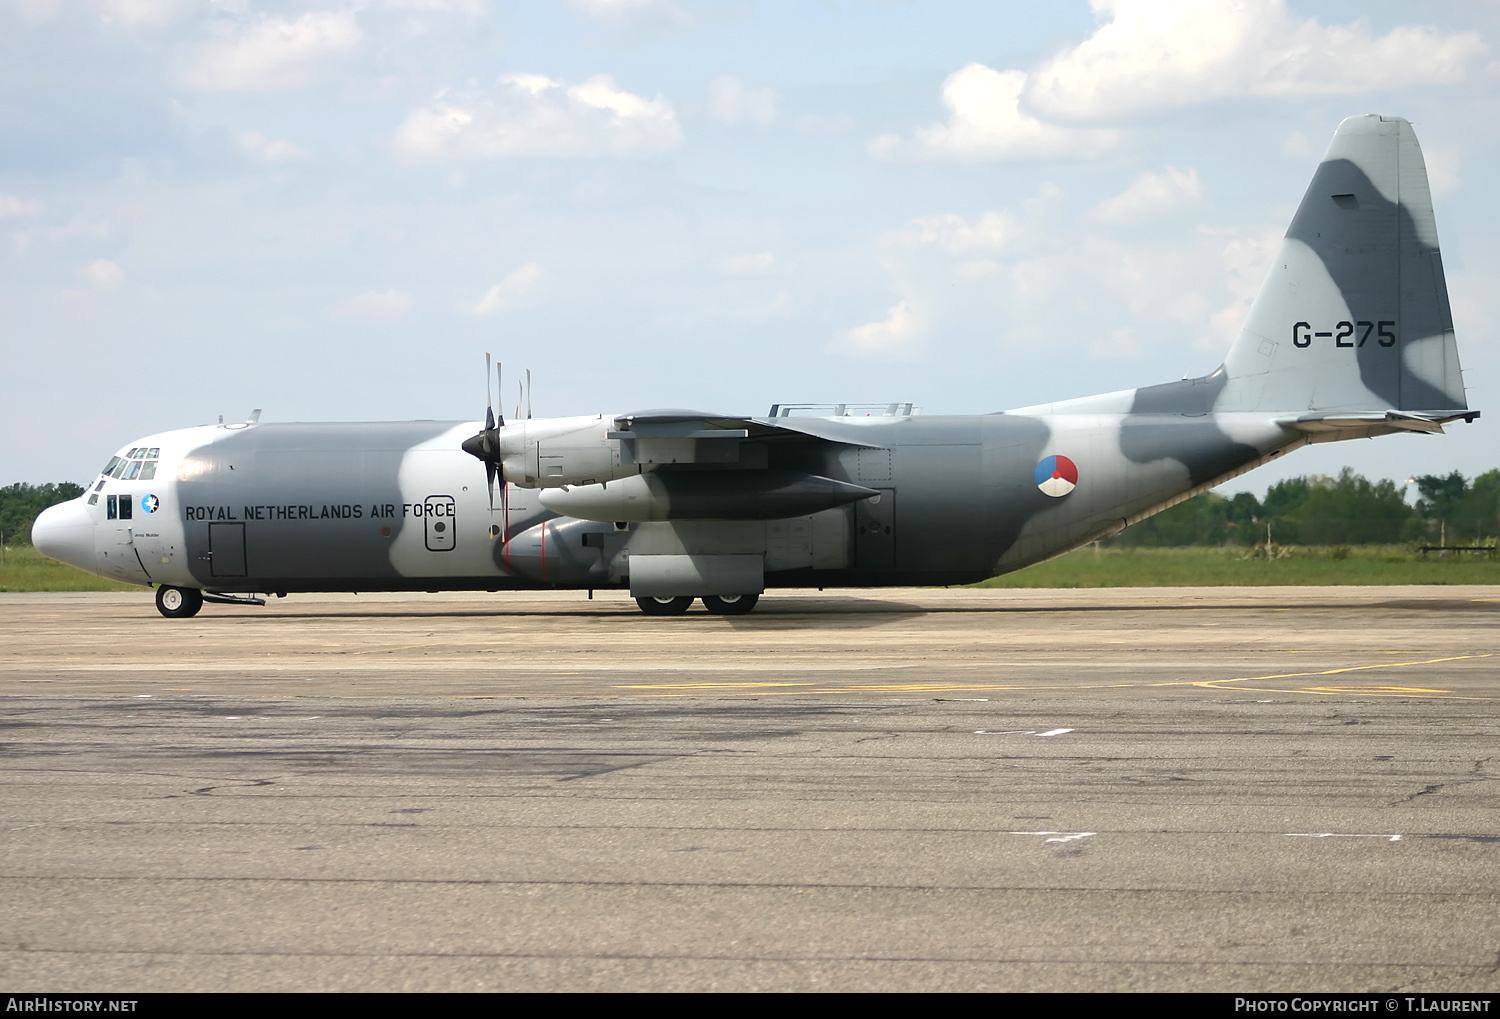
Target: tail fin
[(1354, 317)]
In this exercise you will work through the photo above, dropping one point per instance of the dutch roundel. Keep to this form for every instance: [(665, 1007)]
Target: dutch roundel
[(1056, 475)]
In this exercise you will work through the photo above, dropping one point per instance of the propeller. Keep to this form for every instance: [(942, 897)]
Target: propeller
[(486, 444)]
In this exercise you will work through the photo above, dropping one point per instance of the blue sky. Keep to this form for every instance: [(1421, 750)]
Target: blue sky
[(332, 210)]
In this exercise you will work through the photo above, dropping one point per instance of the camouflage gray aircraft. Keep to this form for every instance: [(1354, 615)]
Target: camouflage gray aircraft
[(1351, 336)]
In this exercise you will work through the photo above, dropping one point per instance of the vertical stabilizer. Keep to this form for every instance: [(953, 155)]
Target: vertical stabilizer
[(1354, 315)]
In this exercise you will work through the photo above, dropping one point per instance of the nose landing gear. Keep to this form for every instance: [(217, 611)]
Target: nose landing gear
[(178, 602)]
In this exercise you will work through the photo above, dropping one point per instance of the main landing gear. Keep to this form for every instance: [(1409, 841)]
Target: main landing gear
[(178, 602), (719, 605)]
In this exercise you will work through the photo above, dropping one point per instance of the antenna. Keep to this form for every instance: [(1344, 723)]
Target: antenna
[(254, 417)]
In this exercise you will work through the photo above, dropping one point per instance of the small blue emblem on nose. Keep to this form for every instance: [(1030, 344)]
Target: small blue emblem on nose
[(150, 503)]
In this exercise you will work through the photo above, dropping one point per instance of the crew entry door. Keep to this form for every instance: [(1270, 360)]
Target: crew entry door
[(226, 550)]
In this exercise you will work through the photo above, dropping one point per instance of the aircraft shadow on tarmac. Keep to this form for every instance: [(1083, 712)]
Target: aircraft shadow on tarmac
[(877, 611)]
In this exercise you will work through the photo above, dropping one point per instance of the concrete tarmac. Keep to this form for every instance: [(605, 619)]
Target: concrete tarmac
[(1158, 789)]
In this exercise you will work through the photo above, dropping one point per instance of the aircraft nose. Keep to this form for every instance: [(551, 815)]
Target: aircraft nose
[(64, 532)]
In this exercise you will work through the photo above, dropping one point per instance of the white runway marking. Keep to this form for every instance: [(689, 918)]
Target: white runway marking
[(1059, 836)]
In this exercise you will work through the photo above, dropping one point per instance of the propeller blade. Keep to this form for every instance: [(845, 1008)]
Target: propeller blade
[(489, 401), (500, 385)]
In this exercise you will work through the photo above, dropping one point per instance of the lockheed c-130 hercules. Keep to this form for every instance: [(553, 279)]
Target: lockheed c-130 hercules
[(1351, 336)]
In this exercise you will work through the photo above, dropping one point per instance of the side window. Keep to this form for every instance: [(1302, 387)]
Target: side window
[(125, 507), (111, 506)]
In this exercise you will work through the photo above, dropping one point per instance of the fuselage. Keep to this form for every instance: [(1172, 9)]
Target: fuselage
[(1350, 336), (276, 508)]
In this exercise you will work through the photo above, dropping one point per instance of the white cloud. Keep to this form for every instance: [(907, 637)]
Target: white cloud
[(272, 53), (36, 10), (267, 150), (375, 305), (816, 123), (473, 8), (896, 331), (991, 231), (103, 274), (1159, 54), (986, 122), (511, 291), (1442, 168), (140, 13), (758, 264), (531, 115), (733, 102), (1151, 195), (614, 11), (1246, 261), (13, 206), (1122, 344)]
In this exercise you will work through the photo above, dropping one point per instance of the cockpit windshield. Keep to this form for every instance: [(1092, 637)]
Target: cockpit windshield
[(139, 464)]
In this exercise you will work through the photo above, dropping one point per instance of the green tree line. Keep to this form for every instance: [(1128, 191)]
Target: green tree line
[(1346, 510), (19, 505), (1316, 510)]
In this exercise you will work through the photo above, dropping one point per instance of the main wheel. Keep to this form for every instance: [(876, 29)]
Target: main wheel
[(178, 602), (730, 604), (664, 606)]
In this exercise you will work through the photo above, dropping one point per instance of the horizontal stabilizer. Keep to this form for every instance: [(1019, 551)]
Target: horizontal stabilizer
[(1345, 426)]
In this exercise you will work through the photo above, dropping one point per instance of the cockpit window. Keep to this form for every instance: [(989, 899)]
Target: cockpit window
[(139, 463)]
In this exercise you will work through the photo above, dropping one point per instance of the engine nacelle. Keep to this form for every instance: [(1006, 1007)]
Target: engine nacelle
[(705, 495), (552, 452)]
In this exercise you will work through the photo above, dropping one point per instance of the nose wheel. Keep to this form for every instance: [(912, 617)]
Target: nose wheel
[(178, 602)]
